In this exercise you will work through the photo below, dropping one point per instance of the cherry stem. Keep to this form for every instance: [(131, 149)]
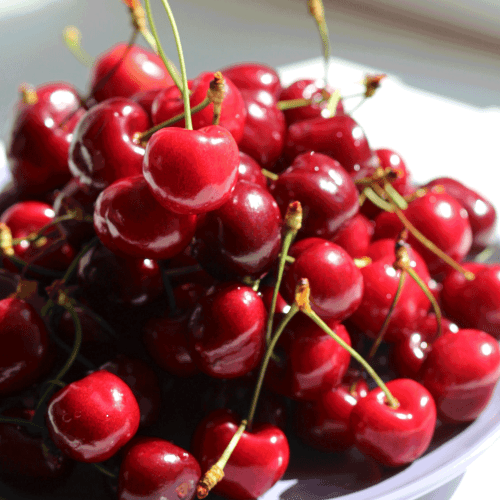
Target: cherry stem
[(177, 118), (185, 90), (72, 39), (65, 347), (46, 250), (293, 222), (99, 319), (216, 94), (22, 264), (383, 329), (361, 262), (270, 175), (395, 196), (20, 421), (172, 70), (103, 470), (484, 255), (167, 286), (305, 307), (293, 103), (28, 94), (139, 22), (377, 200), (317, 10), (180, 271)]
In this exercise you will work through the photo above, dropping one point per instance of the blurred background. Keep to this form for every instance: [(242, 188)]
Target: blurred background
[(447, 47)]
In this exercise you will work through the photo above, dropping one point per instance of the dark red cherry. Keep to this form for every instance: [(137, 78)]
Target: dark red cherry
[(328, 195), (339, 137), (242, 237), (40, 138), (267, 296), (482, 214), (309, 89), (169, 103), (355, 236), (336, 283), (395, 436), (143, 382), (256, 464), (227, 331), (122, 71), (103, 148), (249, 170), (145, 100), (390, 159), (191, 171), (461, 372), (23, 345), (253, 77), (155, 468), (92, 418), (129, 219)]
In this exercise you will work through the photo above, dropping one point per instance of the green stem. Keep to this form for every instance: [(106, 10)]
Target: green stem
[(103, 470), (399, 201), (377, 200), (20, 421), (270, 175), (293, 103)]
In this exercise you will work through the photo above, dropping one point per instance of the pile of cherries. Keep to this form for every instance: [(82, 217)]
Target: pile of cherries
[(137, 291)]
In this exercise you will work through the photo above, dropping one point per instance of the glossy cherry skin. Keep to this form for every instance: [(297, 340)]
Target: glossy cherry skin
[(129, 219), (191, 171), (339, 137), (482, 214), (103, 148), (39, 145), (335, 281), (256, 464), (253, 77), (169, 103), (308, 89), (354, 236), (145, 100), (227, 331), (154, 468), (266, 293), (328, 195), (143, 382), (23, 345), (461, 372), (91, 419), (395, 437), (122, 71), (249, 170), (242, 237)]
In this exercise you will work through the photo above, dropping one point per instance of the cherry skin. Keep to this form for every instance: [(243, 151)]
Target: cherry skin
[(103, 148), (191, 171), (227, 331), (335, 281), (249, 170), (154, 468), (354, 236), (41, 136), (24, 344), (129, 219), (256, 464), (91, 419), (328, 195), (122, 71), (461, 372), (242, 237), (395, 436), (169, 103)]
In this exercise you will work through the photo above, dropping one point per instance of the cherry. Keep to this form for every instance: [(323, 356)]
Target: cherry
[(191, 171), (339, 137), (103, 148), (266, 293), (327, 194), (460, 372), (155, 468), (122, 71), (354, 236), (390, 159), (128, 219), (249, 170), (145, 100), (227, 331), (482, 215), (256, 464), (394, 436), (169, 103), (40, 138), (24, 344), (242, 237), (336, 283), (92, 418)]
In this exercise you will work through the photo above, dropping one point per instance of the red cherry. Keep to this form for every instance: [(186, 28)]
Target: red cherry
[(155, 468), (336, 283), (169, 103), (242, 237), (267, 295), (92, 418), (395, 436), (249, 170), (129, 219), (40, 139), (103, 148), (256, 464), (390, 159), (191, 171), (23, 345), (122, 71), (145, 100), (227, 331), (461, 371), (327, 194), (355, 236)]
